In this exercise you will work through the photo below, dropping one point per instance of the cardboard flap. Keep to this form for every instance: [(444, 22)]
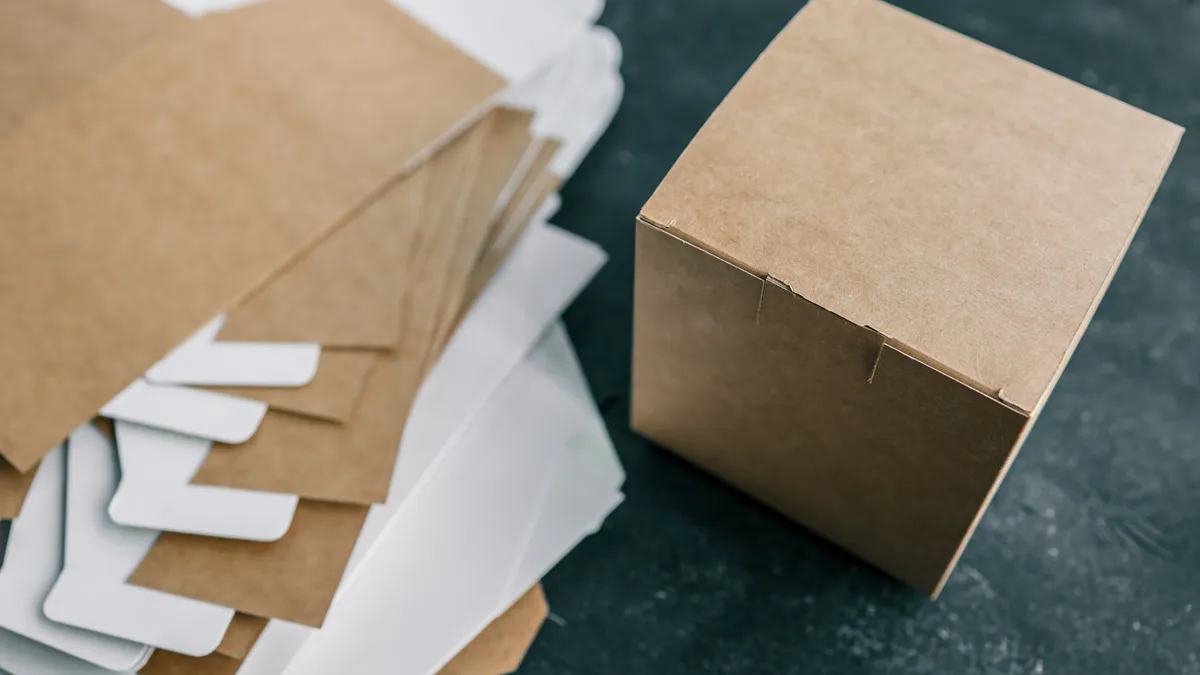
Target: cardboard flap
[(202, 163), (907, 178)]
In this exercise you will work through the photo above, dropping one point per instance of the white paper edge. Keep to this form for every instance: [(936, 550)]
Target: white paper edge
[(155, 493)]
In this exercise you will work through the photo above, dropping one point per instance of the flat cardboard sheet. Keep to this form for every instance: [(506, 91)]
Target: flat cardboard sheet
[(497, 651), (961, 202), (340, 106), (50, 48), (295, 579), (46, 50), (292, 579), (169, 663), (316, 293), (242, 634), (14, 486), (525, 201), (509, 141), (352, 463), (346, 292), (332, 395)]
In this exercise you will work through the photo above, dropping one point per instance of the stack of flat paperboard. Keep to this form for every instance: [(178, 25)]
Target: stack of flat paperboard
[(286, 391), (857, 287)]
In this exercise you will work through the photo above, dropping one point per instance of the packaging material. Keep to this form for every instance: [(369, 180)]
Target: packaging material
[(584, 489), (128, 155), (332, 394), (14, 486), (274, 274), (858, 285)]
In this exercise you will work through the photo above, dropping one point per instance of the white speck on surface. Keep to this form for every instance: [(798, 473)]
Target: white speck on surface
[(660, 595), (1137, 625), (557, 620), (1038, 668), (1053, 553), (1050, 513), (943, 633)]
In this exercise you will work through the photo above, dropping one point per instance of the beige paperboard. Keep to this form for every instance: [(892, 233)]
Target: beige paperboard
[(292, 579), (243, 632), (50, 48), (353, 462), (14, 487), (332, 394), (498, 650), (859, 283), (196, 192), (246, 575), (347, 291), (47, 49)]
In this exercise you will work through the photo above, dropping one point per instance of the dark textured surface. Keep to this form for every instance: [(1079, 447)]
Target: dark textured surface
[(1088, 561)]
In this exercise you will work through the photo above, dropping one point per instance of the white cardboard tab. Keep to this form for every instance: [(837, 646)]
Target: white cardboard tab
[(31, 567), (191, 412), (154, 492), (91, 592), (201, 360), (22, 656)]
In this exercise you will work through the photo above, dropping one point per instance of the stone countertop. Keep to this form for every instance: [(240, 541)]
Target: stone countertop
[(1088, 560)]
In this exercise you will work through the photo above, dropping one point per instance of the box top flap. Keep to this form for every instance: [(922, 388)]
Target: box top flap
[(961, 201)]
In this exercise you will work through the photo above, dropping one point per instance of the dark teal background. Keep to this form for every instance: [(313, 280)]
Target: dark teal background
[(1088, 561)]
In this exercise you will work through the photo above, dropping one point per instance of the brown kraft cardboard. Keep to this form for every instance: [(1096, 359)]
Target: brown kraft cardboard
[(858, 285)]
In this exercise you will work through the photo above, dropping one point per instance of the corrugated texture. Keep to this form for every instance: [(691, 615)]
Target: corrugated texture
[(963, 202)]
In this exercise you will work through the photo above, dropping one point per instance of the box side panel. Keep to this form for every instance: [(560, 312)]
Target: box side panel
[(815, 416)]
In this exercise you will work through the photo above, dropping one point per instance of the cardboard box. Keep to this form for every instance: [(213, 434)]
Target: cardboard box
[(859, 284)]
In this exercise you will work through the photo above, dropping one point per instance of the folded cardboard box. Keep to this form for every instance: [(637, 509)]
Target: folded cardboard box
[(858, 286)]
